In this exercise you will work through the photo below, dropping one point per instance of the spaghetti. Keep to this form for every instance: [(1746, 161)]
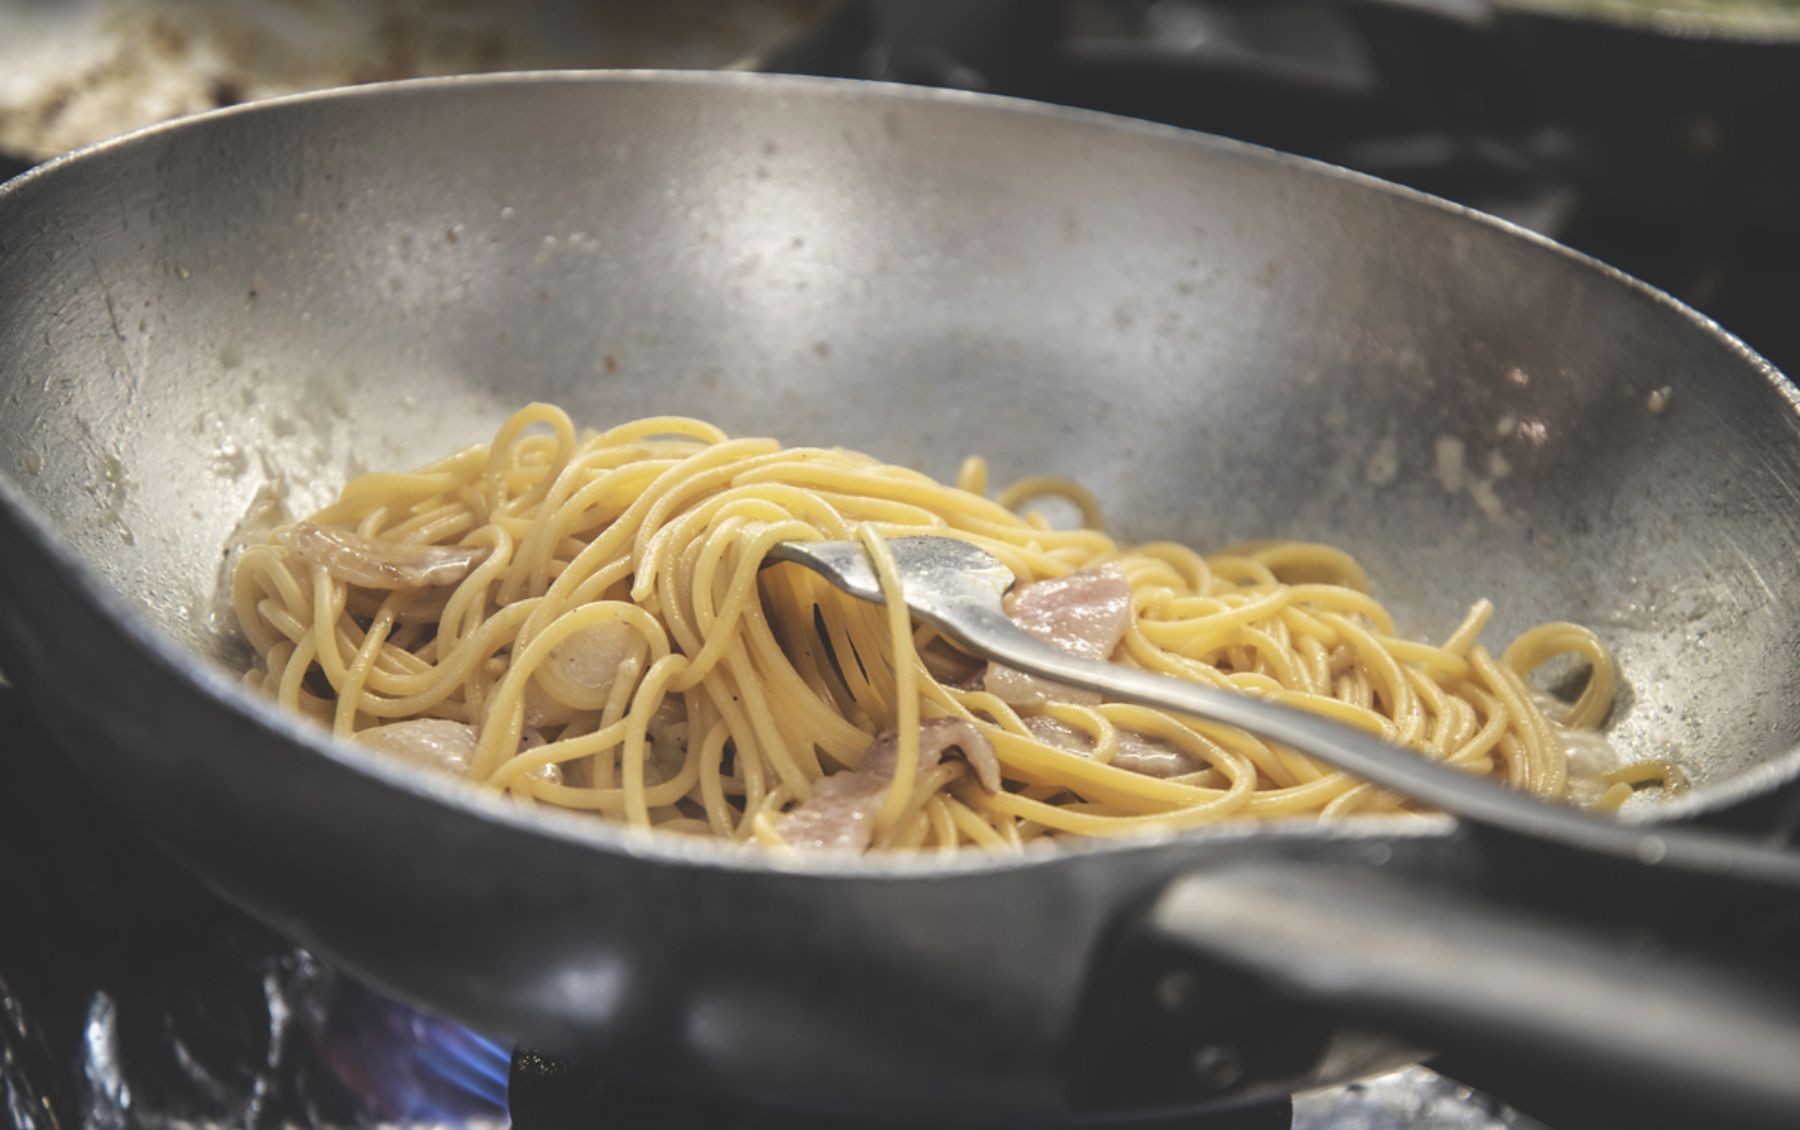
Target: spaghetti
[(586, 621)]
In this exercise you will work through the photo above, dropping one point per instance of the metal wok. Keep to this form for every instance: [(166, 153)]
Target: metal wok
[(1223, 342)]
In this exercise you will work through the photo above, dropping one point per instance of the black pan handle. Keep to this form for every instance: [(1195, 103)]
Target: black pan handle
[(1556, 1017)]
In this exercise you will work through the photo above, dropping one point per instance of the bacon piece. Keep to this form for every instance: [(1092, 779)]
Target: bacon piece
[(373, 563), (841, 814), (1138, 753), (839, 817), (1084, 614)]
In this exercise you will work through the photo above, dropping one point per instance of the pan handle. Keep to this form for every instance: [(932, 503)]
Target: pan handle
[(1557, 1018)]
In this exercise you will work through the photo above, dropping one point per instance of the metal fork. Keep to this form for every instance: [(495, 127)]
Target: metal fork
[(956, 588)]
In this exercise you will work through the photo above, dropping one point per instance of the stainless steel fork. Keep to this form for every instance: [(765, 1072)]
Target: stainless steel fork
[(957, 588)]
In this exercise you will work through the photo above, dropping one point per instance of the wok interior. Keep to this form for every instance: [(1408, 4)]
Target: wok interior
[(1222, 344)]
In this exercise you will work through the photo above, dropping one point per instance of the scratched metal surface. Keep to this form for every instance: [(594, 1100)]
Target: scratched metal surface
[(1223, 343)]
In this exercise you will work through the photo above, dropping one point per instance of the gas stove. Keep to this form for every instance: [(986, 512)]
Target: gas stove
[(132, 996)]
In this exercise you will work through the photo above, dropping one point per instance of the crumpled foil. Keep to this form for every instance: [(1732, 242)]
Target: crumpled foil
[(24, 1062), (132, 997), (320, 1051), (1412, 1098)]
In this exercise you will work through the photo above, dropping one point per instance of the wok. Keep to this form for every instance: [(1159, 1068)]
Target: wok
[(1223, 342)]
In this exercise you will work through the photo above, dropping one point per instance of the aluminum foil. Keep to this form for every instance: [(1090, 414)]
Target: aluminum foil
[(1412, 1098), (132, 997), (300, 1047)]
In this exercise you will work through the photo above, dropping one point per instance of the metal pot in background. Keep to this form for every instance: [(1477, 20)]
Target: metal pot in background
[(73, 73)]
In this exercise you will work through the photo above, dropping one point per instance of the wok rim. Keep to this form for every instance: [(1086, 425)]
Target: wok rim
[(221, 691)]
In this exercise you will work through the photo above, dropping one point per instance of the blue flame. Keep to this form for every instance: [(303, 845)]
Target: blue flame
[(407, 1066), (466, 1061)]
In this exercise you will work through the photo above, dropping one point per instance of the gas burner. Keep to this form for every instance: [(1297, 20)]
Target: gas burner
[(134, 996), (407, 1067)]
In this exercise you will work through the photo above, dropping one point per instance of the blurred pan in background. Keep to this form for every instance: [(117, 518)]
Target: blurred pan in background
[(76, 72)]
